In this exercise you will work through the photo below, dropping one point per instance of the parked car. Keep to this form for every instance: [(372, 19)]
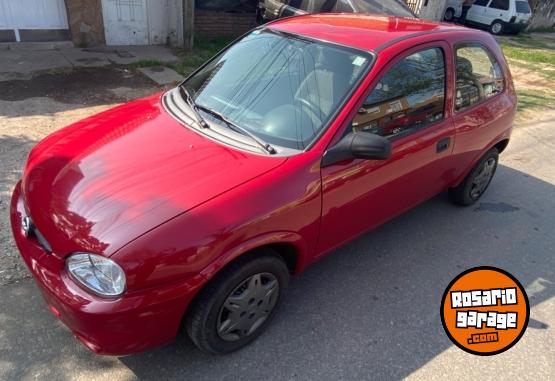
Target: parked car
[(191, 208), (498, 16), (274, 9)]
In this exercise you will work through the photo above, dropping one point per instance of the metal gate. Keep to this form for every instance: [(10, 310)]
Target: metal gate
[(416, 5), (31, 19), (125, 21)]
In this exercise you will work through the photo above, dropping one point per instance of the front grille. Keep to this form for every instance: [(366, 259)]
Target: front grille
[(30, 231)]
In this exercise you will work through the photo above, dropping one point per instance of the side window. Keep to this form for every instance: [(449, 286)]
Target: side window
[(479, 76), (500, 4), (408, 97), (481, 3)]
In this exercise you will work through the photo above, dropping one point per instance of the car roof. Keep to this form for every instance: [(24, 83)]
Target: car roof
[(362, 31)]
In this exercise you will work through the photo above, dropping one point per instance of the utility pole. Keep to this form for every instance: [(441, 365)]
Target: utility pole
[(188, 24)]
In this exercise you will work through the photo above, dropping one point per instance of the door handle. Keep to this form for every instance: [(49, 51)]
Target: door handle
[(443, 144)]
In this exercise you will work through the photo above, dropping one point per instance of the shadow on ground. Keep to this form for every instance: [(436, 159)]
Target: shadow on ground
[(369, 310), (104, 86)]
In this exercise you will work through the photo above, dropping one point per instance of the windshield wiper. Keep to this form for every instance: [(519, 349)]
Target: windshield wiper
[(191, 102), (267, 147)]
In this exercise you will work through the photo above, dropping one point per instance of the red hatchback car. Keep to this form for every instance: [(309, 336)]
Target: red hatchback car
[(192, 208)]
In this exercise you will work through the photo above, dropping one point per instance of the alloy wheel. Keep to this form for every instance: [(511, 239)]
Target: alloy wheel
[(247, 307), (482, 179)]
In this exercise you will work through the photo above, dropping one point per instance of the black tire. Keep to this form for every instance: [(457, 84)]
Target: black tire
[(497, 27), (449, 14), (466, 193), (204, 316)]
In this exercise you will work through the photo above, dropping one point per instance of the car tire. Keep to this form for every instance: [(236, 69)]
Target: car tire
[(449, 14), (477, 181), (245, 287), (497, 27)]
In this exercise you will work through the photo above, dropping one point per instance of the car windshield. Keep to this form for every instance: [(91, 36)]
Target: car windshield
[(282, 88)]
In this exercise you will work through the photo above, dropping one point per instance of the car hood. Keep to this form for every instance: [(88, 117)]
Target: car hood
[(99, 183)]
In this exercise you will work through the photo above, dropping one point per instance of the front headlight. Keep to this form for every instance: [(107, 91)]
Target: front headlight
[(101, 275)]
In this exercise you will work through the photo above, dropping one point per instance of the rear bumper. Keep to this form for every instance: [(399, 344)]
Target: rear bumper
[(132, 323)]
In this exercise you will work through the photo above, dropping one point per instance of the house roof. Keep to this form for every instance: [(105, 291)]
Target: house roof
[(363, 31)]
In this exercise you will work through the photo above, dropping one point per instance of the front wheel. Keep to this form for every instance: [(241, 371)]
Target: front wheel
[(497, 27), (238, 304), (475, 184)]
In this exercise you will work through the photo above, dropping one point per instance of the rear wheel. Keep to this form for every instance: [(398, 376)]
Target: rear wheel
[(238, 304), (475, 184), (497, 27), (449, 14)]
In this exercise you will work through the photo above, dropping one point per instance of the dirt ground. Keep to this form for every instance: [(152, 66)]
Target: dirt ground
[(32, 109)]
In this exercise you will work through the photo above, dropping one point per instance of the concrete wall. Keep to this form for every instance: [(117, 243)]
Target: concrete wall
[(164, 18), (211, 24), (432, 9), (87, 26), (175, 22), (85, 22)]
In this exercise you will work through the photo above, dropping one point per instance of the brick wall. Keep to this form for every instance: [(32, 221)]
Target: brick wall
[(211, 24), (85, 22)]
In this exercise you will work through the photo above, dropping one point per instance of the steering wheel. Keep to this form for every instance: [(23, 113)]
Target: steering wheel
[(311, 111)]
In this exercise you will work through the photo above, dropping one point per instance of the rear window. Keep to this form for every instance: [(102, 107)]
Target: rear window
[(522, 7)]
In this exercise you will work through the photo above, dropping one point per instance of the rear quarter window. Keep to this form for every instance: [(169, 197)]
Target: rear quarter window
[(479, 76), (522, 7)]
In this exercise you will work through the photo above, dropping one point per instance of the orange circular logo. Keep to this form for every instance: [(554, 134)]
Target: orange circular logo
[(485, 311)]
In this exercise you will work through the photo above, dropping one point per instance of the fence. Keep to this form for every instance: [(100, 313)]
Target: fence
[(416, 5)]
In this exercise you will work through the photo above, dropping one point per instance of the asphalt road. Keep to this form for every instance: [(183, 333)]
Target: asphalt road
[(368, 311)]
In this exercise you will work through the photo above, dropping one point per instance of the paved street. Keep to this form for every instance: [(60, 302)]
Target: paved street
[(368, 311), (22, 61)]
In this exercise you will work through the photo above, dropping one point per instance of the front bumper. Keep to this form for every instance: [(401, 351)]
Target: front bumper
[(132, 323)]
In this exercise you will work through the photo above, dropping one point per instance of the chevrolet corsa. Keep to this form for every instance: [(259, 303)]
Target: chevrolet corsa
[(192, 208)]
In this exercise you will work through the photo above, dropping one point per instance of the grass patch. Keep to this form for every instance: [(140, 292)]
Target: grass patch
[(531, 55), (204, 50), (146, 63), (534, 99), (546, 71), (540, 60)]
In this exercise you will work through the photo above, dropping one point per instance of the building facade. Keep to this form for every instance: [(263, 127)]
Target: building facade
[(120, 22)]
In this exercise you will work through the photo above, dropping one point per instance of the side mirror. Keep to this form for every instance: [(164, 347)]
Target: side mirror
[(358, 145)]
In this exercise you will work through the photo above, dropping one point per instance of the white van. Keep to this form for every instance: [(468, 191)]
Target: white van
[(498, 16)]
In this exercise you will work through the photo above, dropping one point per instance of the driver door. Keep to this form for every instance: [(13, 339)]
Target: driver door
[(407, 106)]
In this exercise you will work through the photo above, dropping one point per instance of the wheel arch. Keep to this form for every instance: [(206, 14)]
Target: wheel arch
[(499, 143), (502, 145), (290, 248), (449, 9)]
